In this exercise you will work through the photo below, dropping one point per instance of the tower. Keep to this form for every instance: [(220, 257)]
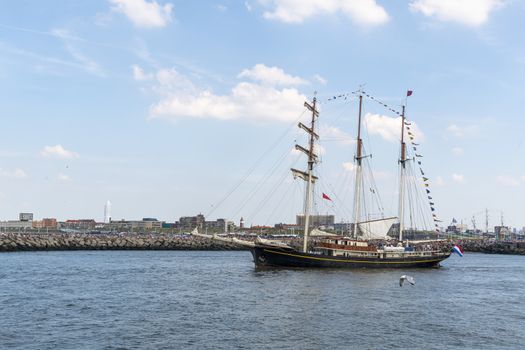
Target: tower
[(107, 212), (241, 224)]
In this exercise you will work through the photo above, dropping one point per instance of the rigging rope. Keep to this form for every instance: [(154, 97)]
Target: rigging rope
[(411, 136)]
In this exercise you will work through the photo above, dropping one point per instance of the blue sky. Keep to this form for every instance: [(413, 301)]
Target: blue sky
[(162, 106)]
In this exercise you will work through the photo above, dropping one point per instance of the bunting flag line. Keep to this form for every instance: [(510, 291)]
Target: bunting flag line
[(417, 157)]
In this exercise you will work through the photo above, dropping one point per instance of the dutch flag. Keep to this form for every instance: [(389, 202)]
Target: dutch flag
[(457, 250)]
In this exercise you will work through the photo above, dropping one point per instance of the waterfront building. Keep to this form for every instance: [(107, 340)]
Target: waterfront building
[(16, 225), (190, 222), (25, 216), (146, 224), (46, 223), (322, 221), (81, 224), (502, 233)]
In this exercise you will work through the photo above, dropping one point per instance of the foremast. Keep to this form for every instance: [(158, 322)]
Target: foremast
[(308, 176), (358, 170), (402, 171)]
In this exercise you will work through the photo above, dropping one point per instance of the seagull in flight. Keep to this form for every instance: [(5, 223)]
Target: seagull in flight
[(404, 278)]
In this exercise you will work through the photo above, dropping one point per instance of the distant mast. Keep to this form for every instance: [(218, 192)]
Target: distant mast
[(308, 176), (358, 170), (402, 163)]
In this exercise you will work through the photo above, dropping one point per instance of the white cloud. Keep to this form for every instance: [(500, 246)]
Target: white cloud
[(143, 13), (64, 34), (320, 79), (332, 133), (248, 6), (439, 181), (467, 12), (221, 7), (248, 101), (318, 150), (139, 74), (271, 76), (63, 177), (363, 12), (458, 178), (389, 128), (58, 152), (464, 131), (380, 175), (508, 180), (455, 130), (83, 61), (349, 166), (15, 174), (86, 62), (458, 151)]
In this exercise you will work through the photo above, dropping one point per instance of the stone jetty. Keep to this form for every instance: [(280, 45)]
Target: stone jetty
[(36, 242), (492, 247)]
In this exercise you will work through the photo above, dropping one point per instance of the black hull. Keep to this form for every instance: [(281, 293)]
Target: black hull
[(285, 257)]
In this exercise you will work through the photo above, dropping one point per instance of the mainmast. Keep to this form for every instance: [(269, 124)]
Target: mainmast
[(308, 175), (358, 170), (402, 163)]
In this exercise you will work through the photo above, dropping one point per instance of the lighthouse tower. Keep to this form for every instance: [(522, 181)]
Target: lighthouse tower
[(107, 212), (241, 224)]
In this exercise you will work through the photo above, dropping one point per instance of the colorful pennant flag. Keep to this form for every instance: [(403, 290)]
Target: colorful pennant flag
[(326, 197)]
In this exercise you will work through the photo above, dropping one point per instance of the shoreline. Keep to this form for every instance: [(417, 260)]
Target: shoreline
[(17, 242), (56, 242)]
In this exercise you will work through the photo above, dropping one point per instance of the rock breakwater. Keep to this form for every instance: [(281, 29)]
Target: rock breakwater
[(37, 242), (492, 247)]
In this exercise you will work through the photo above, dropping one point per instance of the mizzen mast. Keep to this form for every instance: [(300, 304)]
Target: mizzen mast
[(402, 163), (308, 175), (358, 171)]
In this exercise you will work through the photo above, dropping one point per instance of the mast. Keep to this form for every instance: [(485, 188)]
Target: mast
[(308, 175), (358, 170), (402, 162), (486, 222)]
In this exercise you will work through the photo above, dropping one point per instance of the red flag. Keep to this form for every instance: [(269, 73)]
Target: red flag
[(409, 92), (326, 197)]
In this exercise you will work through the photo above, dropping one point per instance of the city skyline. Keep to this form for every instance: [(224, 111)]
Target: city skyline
[(163, 106)]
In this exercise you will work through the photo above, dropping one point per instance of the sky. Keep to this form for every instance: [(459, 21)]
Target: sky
[(165, 107)]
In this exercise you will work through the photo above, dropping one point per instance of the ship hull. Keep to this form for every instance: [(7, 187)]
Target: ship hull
[(284, 257)]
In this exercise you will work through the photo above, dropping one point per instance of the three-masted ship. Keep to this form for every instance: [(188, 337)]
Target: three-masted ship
[(367, 245)]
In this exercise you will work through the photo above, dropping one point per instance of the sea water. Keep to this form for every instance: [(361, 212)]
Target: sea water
[(218, 300)]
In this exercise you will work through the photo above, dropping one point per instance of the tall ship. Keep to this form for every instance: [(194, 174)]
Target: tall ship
[(366, 244)]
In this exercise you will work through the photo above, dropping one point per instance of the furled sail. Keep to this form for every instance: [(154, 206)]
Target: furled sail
[(271, 242), (376, 229), (319, 233)]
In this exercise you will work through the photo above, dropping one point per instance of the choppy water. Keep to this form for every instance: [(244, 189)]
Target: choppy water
[(216, 300)]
